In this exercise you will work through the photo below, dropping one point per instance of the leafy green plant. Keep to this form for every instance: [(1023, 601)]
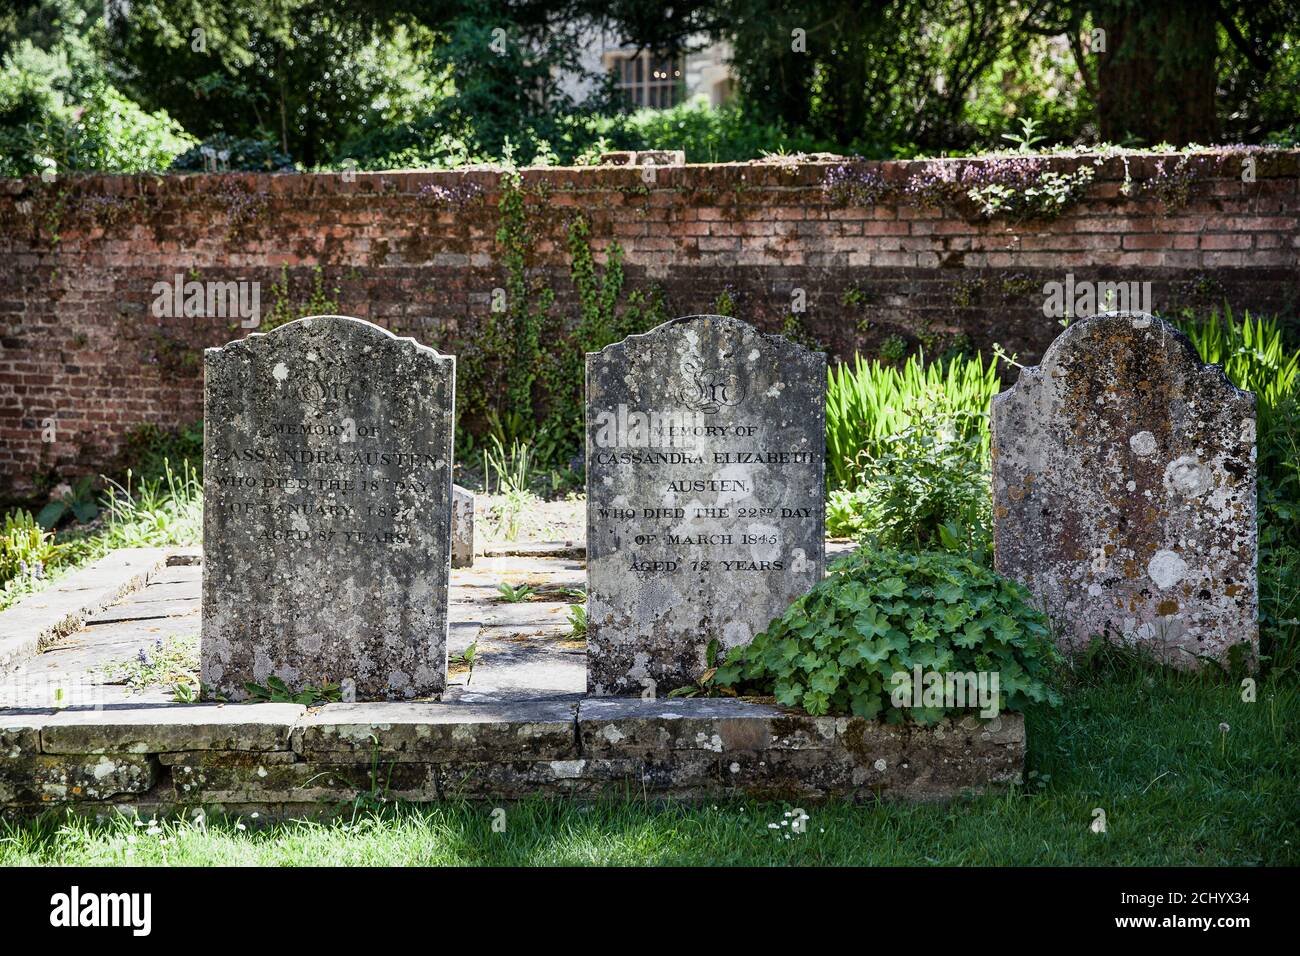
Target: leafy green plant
[(277, 692), (508, 474), (78, 501), (507, 471), (466, 657), (514, 595), (160, 511), (102, 130), (521, 374), (577, 620), (704, 687), (918, 491), (167, 510), (879, 614), (893, 348), (1027, 138), (1279, 607), (868, 402)]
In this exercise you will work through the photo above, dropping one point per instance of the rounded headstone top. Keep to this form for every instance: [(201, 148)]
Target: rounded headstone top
[(1098, 340), (724, 322), (342, 325)]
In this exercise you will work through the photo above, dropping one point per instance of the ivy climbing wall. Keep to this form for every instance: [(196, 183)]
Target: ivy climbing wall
[(99, 332)]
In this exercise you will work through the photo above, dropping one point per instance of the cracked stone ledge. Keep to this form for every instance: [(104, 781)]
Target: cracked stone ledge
[(287, 760)]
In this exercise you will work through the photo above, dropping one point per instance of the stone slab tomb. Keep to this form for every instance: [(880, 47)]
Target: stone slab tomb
[(705, 496), (327, 511), (1124, 491)]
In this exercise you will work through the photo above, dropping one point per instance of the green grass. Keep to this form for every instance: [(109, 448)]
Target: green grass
[(1143, 745)]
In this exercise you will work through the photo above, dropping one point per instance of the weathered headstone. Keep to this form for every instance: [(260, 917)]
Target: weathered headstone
[(705, 496), (1124, 491), (327, 511)]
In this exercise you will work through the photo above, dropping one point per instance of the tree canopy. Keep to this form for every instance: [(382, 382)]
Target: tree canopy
[(438, 82)]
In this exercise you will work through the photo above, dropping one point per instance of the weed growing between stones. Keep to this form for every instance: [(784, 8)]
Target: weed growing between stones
[(171, 662), (507, 475), (275, 691), (514, 595), (578, 619)]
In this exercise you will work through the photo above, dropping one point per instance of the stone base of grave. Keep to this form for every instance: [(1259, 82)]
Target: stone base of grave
[(517, 723), (285, 760)]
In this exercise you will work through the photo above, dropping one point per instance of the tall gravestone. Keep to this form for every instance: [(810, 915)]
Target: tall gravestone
[(327, 511), (705, 496), (1124, 491)]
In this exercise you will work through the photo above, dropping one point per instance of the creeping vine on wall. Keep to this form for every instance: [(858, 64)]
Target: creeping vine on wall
[(520, 377)]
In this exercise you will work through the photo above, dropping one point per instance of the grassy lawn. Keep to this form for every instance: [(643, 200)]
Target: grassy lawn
[(1145, 746)]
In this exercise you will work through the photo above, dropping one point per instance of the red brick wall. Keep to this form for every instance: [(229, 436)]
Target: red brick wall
[(416, 252)]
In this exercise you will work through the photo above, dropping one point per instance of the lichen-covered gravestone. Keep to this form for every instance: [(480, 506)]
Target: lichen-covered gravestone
[(327, 511), (705, 496), (1124, 491)]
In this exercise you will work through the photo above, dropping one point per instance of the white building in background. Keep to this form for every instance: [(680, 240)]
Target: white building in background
[(647, 79)]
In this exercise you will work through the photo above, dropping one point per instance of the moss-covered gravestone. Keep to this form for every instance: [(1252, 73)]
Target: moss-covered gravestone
[(705, 496), (327, 511), (1124, 491)]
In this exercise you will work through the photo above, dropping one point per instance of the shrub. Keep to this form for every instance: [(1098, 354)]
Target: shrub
[(857, 636), (233, 153), (149, 450), (869, 402), (105, 131), (917, 491), (708, 135), (425, 144)]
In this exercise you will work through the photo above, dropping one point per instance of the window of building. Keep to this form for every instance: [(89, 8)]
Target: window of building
[(646, 79)]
